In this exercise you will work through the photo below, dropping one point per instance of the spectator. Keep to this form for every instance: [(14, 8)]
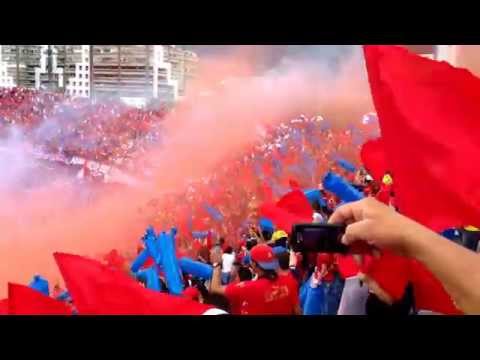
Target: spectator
[(269, 294), (228, 258), (279, 238)]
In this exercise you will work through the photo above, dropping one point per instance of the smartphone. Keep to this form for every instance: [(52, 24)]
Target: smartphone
[(320, 238)]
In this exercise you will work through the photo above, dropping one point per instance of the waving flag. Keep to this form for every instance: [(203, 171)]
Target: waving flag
[(23, 300), (346, 165), (341, 188), (115, 259), (283, 219), (40, 284), (4, 307), (434, 108), (428, 113), (266, 225), (99, 290), (294, 184), (373, 158), (295, 202), (315, 195), (213, 212)]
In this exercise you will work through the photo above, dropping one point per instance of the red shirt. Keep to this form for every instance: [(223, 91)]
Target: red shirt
[(263, 297), (289, 279)]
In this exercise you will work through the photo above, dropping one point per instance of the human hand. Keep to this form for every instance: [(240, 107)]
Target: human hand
[(376, 224), (215, 257)]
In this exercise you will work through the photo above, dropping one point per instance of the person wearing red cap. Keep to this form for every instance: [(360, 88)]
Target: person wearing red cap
[(268, 294)]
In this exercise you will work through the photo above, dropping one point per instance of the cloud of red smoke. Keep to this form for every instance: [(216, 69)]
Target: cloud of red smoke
[(220, 117)]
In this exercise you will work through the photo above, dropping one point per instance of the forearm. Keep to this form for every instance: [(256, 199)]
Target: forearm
[(216, 282), (457, 268)]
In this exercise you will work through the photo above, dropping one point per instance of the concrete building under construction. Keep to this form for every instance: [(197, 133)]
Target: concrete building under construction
[(137, 73)]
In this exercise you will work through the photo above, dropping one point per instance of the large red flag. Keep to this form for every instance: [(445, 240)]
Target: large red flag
[(23, 300), (373, 158), (4, 307), (429, 117), (429, 293), (99, 290), (428, 113)]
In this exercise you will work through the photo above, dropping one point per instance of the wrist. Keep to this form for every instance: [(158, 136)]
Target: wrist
[(414, 238)]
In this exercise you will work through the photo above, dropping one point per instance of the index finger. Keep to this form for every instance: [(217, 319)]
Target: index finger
[(343, 215)]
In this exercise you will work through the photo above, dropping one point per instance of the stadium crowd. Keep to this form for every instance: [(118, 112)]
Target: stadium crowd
[(225, 245), (107, 132)]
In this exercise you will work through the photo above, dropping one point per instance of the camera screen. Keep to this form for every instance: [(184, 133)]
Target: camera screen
[(320, 239)]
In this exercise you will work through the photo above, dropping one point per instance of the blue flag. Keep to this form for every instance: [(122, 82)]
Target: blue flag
[(346, 165), (40, 284), (341, 188), (315, 195), (266, 225), (214, 213)]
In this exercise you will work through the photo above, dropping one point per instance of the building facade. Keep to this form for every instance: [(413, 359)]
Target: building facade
[(136, 73), (438, 52), (184, 66)]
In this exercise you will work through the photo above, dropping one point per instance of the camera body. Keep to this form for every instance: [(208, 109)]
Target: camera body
[(320, 238)]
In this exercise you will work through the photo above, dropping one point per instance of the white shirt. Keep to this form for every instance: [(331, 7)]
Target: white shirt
[(227, 262), (317, 218)]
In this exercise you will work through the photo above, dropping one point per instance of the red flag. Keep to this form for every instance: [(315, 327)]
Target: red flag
[(384, 194), (429, 292), (294, 185), (296, 203), (23, 300), (4, 307), (115, 260), (283, 219), (99, 290), (373, 158), (428, 113), (391, 273), (347, 266)]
